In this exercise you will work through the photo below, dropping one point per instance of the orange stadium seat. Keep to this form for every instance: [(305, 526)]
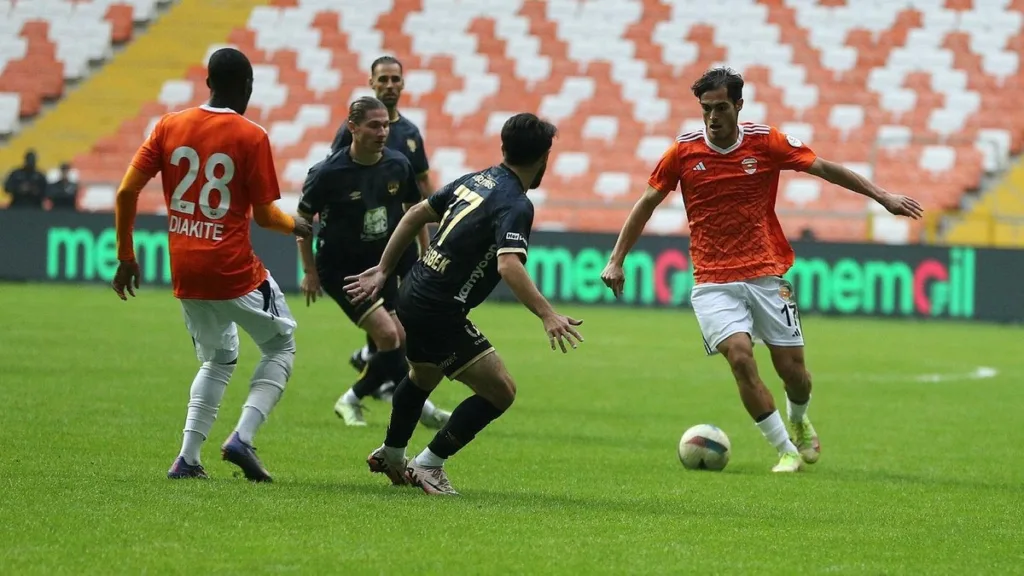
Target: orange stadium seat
[(919, 94)]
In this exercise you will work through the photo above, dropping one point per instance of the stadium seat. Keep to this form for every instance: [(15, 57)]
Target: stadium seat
[(913, 92)]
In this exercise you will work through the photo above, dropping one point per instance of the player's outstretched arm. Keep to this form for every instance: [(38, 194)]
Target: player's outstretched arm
[(842, 176), (612, 276), (558, 327), (271, 217), (125, 207), (369, 283)]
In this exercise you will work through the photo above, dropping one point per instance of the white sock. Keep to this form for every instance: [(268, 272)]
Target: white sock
[(263, 396), (796, 411), (774, 430), (204, 400), (350, 398), (428, 409), (365, 353), (394, 453), (428, 458)]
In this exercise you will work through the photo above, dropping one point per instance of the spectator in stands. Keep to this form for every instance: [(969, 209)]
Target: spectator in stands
[(63, 193), (26, 185)]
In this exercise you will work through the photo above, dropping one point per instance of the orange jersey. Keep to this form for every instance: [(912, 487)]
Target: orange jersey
[(215, 165), (730, 200)]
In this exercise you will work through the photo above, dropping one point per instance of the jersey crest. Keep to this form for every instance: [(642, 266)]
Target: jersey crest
[(393, 187), (411, 144)]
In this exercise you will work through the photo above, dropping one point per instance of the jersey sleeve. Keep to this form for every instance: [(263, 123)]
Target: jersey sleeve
[(512, 225), (788, 152), (314, 190), (420, 164), (439, 201), (262, 181), (342, 138), (411, 188), (666, 174), (148, 158)]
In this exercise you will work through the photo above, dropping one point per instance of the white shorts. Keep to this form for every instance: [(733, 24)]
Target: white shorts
[(762, 307), (213, 324)]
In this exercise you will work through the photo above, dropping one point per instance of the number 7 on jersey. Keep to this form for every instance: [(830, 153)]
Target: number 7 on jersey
[(468, 201)]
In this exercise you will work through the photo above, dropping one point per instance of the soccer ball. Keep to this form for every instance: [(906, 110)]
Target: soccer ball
[(704, 447)]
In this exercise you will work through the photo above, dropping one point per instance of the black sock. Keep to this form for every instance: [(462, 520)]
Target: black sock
[(371, 346), (467, 420), (383, 366), (406, 406)]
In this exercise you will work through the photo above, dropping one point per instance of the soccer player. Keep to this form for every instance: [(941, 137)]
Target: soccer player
[(728, 174), (387, 83), (485, 222), (359, 194), (217, 168)]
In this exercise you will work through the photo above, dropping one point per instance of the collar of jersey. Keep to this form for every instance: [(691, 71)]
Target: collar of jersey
[(209, 108), (739, 140)]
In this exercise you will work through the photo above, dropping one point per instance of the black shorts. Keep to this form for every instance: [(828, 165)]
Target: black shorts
[(333, 283), (452, 343)]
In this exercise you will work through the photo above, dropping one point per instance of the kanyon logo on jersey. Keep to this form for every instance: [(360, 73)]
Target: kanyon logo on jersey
[(477, 274)]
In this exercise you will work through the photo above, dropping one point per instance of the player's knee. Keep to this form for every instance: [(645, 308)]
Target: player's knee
[(278, 357), (504, 393), (741, 359), (385, 335)]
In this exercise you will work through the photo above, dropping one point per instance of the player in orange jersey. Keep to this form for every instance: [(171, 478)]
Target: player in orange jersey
[(217, 169), (729, 175)]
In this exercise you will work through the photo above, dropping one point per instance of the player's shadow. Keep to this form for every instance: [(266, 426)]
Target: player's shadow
[(662, 505)]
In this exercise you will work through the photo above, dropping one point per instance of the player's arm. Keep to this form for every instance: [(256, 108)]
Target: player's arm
[(264, 191), (408, 228), (144, 166), (311, 203), (842, 176), (663, 180), (414, 193)]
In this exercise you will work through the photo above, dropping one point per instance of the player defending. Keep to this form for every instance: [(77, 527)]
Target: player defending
[(217, 166), (485, 221), (729, 175), (359, 192), (403, 136)]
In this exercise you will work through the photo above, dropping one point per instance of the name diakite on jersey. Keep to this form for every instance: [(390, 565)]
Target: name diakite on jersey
[(195, 228)]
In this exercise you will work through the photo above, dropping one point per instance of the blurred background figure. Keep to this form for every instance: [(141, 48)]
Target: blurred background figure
[(26, 184)]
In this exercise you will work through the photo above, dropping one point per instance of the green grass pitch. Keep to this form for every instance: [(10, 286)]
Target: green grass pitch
[(580, 476)]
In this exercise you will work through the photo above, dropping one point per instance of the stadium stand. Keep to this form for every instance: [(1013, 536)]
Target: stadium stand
[(918, 94)]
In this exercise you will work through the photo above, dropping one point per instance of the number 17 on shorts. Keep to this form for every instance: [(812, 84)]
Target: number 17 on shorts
[(763, 308)]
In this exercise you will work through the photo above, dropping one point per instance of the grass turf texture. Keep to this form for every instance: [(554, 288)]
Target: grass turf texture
[(580, 475)]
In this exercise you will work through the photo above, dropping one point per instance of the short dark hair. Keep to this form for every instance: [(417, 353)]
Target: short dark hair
[(526, 138), (362, 106), (385, 60), (229, 71), (719, 77)]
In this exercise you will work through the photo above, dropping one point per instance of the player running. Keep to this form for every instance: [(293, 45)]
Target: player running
[(403, 136), (728, 174), (217, 168), (485, 222), (359, 193)]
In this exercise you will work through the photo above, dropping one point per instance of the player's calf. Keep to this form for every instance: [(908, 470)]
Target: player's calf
[(738, 351), (789, 364)]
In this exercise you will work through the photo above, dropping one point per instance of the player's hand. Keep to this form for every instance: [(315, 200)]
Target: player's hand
[(902, 205), (563, 329), (311, 287), (303, 228), (365, 286), (126, 277), (614, 278)]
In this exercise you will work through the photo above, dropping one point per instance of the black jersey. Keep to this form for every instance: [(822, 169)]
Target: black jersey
[(403, 137), (359, 206), (483, 215)]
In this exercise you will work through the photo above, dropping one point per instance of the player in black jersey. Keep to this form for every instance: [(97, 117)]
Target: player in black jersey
[(482, 238), (387, 82), (360, 193)]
